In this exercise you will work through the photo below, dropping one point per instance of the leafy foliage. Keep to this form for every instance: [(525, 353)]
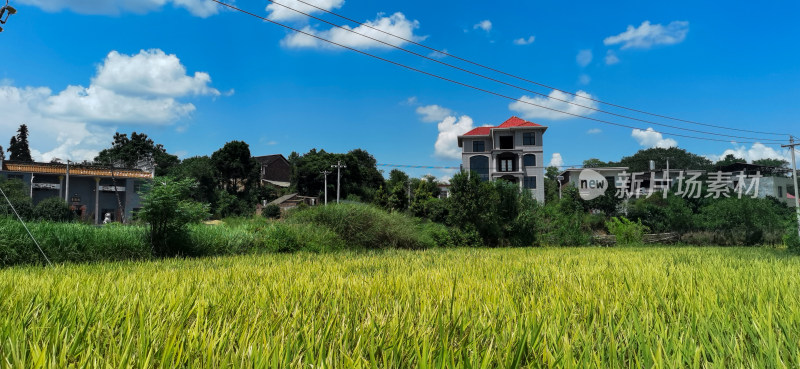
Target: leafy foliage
[(130, 152), (168, 209), (53, 209), (361, 176), (18, 148), (627, 232), (271, 211), (17, 193), (678, 158)]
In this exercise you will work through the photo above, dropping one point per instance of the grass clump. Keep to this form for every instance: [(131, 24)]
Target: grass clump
[(366, 226)]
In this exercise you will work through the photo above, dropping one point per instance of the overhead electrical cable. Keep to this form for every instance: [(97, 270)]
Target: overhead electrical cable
[(479, 88), (519, 87), (443, 52)]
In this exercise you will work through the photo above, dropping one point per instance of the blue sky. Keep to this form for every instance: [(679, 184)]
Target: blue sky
[(193, 75)]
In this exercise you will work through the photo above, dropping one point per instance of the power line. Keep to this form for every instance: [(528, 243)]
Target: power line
[(524, 79), (516, 86), (475, 87)]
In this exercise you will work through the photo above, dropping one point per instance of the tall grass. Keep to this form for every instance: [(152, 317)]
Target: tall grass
[(629, 307), (367, 226), (72, 242)]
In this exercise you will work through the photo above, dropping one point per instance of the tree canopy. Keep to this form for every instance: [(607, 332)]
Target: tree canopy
[(678, 159), (130, 152), (361, 178), (18, 148)]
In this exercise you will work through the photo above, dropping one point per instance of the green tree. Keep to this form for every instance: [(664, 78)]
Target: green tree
[(772, 162), (236, 168), (678, 159), (594, 163), (398, 197), (381, 198), (18, 149), (18, 195), (130, 152), (360, 177), (168, 208), (728, 160), (2, 153), (202, 170)]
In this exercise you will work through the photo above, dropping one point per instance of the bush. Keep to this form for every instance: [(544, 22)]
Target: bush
[(625, 231), (744, 221), (53, 209), (168, 208), (17, 193), (365, 226), (791, 238), (271, 211)]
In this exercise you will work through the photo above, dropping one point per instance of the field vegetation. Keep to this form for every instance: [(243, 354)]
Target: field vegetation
[(461, 307)]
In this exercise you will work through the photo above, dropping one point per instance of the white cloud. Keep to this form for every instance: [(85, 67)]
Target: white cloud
[(584, 79), (650, 138), (594, 131), (529, 111), (611, 58), (74, 123), (485, 25), (281, 13), (556, 160), (200, 8), (433, 113), (450, 128), (584, 57), (525, 41), (438, 55), (396, 24), (756, 152), (648, 35), (150, 72)]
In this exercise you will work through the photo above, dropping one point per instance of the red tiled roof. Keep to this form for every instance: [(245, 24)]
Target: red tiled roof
[(511, 122), (480, 131), (517, 122)]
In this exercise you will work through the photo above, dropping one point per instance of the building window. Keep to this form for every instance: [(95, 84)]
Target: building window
[(529, 160), (478, 146), (529, 138), (506, 142), (480, 165), (506, 165), (529, 182), (780, 192)]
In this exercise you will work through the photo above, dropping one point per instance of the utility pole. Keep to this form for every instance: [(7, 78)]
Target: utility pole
[(792, 145), (338, 167), (325, 173), (66, 190)]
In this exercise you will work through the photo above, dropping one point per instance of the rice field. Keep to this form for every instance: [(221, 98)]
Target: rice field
[(534, 307)]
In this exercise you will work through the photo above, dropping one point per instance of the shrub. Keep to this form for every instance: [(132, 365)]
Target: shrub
[(271, 211), (745, 221), (168, 208), (53, 209), (365, 226), (625, 231), (791, 238), (18, 195)]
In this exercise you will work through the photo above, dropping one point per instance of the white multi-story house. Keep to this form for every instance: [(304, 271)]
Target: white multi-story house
[(511, 151)]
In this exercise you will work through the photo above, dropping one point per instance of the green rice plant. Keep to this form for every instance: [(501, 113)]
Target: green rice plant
[(664, 307)]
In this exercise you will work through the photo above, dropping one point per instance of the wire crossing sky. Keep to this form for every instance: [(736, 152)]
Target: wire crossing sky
[(194, 75)]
